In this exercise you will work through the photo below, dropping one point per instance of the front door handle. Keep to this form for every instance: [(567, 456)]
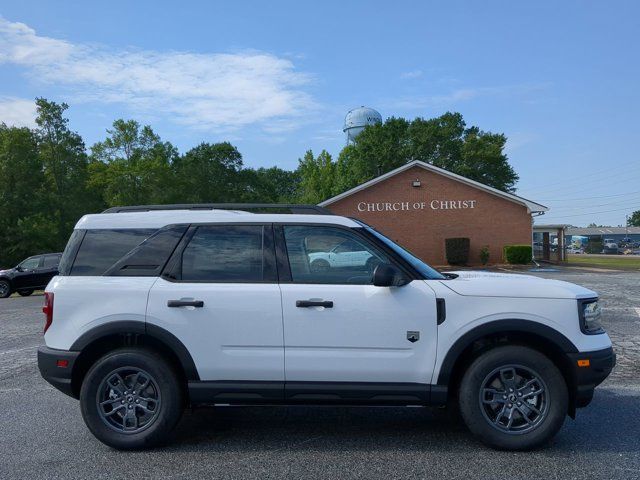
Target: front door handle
[(314, 303), (185, 303)]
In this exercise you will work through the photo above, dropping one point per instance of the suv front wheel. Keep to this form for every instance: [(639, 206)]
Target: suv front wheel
[(131, 398), (5, 288), (513, 398)]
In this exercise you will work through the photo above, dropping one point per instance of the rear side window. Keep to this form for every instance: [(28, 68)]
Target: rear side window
[(224, 253), (51, 261), (100, 249)]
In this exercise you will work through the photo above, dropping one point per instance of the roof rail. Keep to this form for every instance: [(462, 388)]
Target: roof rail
[(248, 207)]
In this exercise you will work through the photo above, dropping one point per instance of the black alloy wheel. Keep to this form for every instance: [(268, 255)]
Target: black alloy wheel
[(513, 397), (132, 398)]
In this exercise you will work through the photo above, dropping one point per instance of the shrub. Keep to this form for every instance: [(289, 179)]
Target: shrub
[(519, 254), (457, 250), (484, 255)]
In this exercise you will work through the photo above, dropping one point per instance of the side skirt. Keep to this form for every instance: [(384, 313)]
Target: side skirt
[(315, 393)]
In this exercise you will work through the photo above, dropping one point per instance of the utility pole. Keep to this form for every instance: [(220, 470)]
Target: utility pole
[(626, 227)]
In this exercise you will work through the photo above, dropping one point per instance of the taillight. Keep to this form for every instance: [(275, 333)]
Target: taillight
[(47, 309)]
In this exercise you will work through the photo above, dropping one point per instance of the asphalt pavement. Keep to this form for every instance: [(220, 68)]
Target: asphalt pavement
[(43, 435)]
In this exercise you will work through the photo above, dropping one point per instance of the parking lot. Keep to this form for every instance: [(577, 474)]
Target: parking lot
[(43, 435)]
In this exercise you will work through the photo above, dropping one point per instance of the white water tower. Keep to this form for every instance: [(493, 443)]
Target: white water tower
[(357, 119)]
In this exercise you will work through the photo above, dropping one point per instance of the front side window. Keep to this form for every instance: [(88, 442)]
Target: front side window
[(319, 254), (224, 253), (30, 263)]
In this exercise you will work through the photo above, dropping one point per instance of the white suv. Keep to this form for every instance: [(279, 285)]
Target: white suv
[(159, 309)]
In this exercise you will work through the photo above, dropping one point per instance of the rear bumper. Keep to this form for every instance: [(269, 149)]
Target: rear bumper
[(601, 362), (56, 367)]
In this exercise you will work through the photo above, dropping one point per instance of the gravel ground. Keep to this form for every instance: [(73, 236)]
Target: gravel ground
[(43, 435)]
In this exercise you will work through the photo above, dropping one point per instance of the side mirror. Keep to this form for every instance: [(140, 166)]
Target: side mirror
[(386, 275), (19, 268)]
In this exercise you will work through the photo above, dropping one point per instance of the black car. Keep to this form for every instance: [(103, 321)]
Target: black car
[(29, 275)]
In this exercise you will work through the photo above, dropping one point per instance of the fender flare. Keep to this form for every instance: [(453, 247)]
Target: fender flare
[(124, 327), (556, 338)]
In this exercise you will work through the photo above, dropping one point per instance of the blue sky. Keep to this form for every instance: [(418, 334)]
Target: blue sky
[(560, 79)]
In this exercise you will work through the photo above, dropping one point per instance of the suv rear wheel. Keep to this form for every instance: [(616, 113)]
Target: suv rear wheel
[(131, 398), (513, 398)]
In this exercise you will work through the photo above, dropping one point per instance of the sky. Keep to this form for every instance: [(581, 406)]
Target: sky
[(560, 79)]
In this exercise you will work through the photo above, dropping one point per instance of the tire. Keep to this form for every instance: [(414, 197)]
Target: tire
[(25, 293), (120, 416), (320, 266), (537, 386), (5, 289)]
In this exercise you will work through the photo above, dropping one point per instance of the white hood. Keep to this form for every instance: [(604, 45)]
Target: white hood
[(489, 284)]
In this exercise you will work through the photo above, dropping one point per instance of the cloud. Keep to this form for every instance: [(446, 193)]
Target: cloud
[(17, 112), (208, 91), (460, 95), (411, 75)]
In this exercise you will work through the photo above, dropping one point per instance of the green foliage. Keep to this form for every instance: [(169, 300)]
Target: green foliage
[(484, 255), (208, 173), (634, 219), (317, 177), (445, 142), (132, 166), (457, 250), (518, 254)]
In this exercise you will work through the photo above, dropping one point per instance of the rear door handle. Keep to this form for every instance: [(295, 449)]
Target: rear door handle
[(185, 303), (314, 303)]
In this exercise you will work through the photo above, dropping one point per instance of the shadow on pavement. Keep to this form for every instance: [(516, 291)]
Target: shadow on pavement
[(610, 424)]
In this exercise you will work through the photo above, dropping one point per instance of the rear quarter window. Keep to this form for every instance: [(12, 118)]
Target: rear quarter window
[(100, 249)]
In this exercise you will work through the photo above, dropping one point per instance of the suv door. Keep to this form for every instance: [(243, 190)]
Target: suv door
[(220, 297), (339, 327), (27, 277), (48, 269)]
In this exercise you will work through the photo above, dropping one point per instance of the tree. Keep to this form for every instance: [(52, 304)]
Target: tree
[(22, 225), (634, 219), (269, 185), (64, 162), (444, 141), (209, 173), (317, 177), (132, 166)]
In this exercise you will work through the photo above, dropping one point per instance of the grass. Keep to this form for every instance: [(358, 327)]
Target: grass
[(619, 262)]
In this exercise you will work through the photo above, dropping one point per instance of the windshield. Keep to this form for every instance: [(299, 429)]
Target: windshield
[(427, 271)]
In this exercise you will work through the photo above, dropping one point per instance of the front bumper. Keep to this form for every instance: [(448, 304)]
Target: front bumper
[(587, 378), (56, 367)]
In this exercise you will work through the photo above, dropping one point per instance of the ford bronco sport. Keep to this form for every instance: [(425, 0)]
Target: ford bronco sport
[(162, 307)]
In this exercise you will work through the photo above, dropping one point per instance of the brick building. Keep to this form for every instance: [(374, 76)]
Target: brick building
[(419, 206)]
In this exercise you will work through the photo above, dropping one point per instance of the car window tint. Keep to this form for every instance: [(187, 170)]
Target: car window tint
[(51, 261), (30, 263), (69, 254), (224, 253), (102, 248), (148, 258), (319, 254)]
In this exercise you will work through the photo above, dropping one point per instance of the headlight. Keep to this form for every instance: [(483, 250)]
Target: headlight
[(590, 313)]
